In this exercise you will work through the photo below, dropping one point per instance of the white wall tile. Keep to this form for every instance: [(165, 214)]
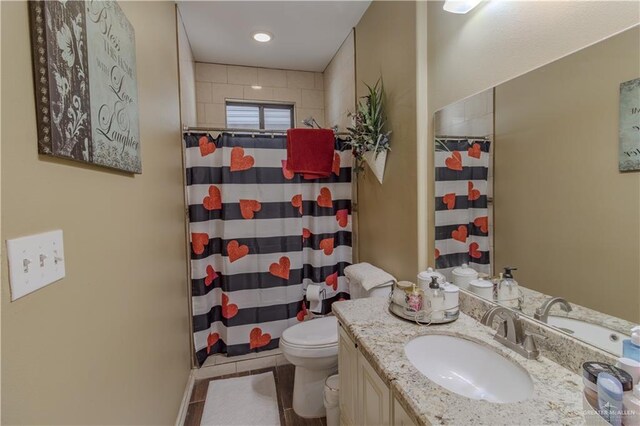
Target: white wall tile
[(303, 113), (300, 80), (242, 75), (287, 95), (221, 92), (203, 91), (213, 73), (312, 99), (200, 115), (217, 83), (318, 80), (263, 94), (272, 78), (214, 113)]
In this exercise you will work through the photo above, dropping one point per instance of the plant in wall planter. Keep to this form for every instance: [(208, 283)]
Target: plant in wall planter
[(369, 142)]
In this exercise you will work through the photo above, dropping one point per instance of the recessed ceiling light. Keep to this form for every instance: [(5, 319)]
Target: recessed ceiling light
[(256, 87), (262, 36)]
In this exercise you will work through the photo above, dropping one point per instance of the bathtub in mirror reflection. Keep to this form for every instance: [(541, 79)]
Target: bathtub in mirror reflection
[(527, 175)]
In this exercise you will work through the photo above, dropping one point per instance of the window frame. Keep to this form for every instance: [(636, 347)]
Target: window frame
[(261, 106)]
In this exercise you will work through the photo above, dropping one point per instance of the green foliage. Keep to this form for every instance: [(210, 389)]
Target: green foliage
[(367, 134)]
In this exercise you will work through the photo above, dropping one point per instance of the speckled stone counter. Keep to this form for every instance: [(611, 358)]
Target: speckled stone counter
[(557, 394), (534, 299)]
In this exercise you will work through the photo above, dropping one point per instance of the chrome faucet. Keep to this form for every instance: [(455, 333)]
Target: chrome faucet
[(542, 313), (510, 332)]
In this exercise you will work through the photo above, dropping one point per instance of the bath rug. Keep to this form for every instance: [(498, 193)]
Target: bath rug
[(247, 400)]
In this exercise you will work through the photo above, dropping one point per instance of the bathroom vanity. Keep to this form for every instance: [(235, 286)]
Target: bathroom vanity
[(380, 385)]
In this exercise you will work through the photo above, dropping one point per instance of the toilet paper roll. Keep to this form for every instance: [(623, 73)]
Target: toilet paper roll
[(315, 296)]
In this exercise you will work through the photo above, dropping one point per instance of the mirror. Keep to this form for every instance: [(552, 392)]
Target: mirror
[(538, 173)]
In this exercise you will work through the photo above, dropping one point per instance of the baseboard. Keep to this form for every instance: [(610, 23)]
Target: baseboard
[(186, 398)]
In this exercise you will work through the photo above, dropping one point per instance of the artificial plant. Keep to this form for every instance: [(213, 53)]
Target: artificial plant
[(367, 133)]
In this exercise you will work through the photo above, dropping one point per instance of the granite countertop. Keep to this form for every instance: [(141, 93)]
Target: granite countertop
[(534, 299), (557, 394)]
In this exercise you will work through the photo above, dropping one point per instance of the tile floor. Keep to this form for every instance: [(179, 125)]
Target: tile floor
[(284, 385)]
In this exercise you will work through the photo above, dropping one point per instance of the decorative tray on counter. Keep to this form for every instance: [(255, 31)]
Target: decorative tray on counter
[(401, 312)]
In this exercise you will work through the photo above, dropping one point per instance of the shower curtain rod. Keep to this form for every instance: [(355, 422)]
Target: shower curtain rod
[(232, 130), (462, 137)]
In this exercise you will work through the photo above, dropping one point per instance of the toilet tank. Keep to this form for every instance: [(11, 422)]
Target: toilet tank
[(357, 292)]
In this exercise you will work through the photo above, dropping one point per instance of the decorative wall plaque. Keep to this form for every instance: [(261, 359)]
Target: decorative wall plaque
[(629, 125), (85, 80)]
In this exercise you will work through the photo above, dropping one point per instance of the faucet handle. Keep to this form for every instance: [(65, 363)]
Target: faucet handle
[(529, 344), (528, 333)]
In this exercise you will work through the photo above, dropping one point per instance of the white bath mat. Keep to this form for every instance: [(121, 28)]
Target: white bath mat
[(247, 400)]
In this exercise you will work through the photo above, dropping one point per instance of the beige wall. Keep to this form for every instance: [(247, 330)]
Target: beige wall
[(500, 40), (564, 214), (187, 70), (387, 213), (109, 344), (216, 82), (340, 86)]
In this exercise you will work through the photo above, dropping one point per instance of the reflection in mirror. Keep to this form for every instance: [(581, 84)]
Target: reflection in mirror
[(564, 212)]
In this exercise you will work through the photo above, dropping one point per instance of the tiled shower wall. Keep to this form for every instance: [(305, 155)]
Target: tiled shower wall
[(216, 83)]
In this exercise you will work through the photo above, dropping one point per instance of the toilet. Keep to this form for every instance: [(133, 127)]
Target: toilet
[(312, 347)]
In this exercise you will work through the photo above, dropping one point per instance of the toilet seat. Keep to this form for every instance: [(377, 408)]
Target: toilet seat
[(316, 338)]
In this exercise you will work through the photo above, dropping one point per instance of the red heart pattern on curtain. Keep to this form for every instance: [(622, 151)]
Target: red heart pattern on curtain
[(257, 228), (462, 220)]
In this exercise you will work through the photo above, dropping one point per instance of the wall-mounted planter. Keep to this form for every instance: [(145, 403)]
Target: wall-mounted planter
[(376, 163)]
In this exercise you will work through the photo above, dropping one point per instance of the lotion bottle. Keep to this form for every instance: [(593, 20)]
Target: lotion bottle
[(631, 347)]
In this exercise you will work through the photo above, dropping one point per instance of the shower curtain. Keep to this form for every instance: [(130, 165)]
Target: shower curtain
[(462, 220), (259, 234)]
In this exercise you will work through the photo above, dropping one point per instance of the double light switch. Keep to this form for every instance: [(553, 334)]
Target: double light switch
[(34, 262)]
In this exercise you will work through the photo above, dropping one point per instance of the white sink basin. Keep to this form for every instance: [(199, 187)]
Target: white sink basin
[(469, 369), (601, 337)]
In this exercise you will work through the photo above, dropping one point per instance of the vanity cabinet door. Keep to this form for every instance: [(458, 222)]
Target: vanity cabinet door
[(400, 416), (375, 398), (348, 373)]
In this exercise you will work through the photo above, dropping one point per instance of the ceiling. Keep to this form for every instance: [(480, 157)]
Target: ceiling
[(306, 34)]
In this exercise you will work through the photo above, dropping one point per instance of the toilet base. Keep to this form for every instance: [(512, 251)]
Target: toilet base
[(308, 391)]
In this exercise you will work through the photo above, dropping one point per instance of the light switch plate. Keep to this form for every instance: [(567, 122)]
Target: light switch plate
[(34, 262)]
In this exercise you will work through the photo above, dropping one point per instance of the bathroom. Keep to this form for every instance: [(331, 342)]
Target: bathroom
[(133, 328)]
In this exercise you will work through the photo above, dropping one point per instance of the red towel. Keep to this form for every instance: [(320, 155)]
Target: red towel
[(310, 151)]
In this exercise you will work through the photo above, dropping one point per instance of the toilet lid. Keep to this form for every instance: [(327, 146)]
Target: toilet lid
[(316, 332)]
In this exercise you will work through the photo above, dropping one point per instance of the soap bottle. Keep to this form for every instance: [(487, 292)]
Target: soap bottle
[(508, 291), (436, 298), (631, 347)]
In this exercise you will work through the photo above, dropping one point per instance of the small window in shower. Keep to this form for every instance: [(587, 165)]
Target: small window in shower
[(252, 115)]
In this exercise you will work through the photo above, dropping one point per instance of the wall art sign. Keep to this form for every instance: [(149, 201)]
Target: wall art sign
[(629, 125), (85, 80)]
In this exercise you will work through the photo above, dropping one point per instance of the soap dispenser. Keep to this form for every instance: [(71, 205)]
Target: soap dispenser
[(436, 299), (631, 347), (508, 291)]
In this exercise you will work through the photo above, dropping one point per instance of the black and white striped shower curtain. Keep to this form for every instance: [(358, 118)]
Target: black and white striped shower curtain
[(259, 235), (462, 220)]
